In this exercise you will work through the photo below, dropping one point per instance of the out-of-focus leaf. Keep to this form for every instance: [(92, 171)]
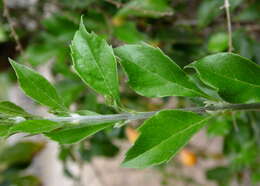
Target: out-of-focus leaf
[(37, 87), (219, 126), (250, 13), (242, 44), (146, 8), (208, 10), (20, 153), (128, 33), (95, 63), (218, 42), (70, 90), (4, 129), (221, 175), (151, 73), (152, 148), (235, 78)]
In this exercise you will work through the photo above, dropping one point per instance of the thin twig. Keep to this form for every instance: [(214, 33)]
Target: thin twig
[(6, 14), (230, 45), (97, 119)]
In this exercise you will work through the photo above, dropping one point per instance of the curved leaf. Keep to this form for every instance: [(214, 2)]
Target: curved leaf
[(37, 87), (236, 78), (162, 136), (153, 74), (95, 63), (11, 109)]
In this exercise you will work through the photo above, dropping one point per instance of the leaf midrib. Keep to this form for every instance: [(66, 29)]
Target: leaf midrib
[(109, 88)]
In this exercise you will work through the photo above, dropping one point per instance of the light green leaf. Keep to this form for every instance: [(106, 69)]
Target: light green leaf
[(146, 8), (153, 74), (4, 129), (34, 126), (95, 63), (218, 42), (73, 133), (37, 87), (236, 78), (162, 136), (10, 109)]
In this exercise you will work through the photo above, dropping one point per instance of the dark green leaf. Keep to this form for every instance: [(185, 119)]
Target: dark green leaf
[(236, 79), (34, 126), (37, 87), (153, 74), (162, 136), (21, 152), (95, 63)]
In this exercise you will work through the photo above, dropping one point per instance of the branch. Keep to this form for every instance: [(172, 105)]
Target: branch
[(144, 115), (230, 45), (6, 14)]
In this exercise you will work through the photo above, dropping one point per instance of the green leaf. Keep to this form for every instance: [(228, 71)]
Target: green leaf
[(236, 78), (153, 74), (162, 136), (37, 87), (4, 129), (73, 133), (128, 33), (218, 42), (34, 126), (146, 8), (95, 63), (208, 11), (10, 109), (19, 153)]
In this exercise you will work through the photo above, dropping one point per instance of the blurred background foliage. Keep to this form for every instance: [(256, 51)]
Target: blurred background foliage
[(185, 30)]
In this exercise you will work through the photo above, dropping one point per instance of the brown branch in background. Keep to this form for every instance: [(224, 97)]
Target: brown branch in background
[(6, 14)]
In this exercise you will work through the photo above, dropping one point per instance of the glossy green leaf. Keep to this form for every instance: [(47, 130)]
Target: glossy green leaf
[(153, 74), (34, 126), (37, 87), (95, 63), (146, 8), (10, 109), (236, 78), (162, 136)]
